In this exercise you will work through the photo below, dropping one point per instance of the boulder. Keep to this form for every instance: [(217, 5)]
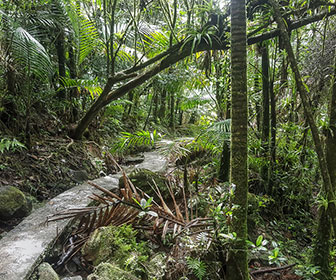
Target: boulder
[(46, 272), (78, 176), (13, 203), (108, 271)]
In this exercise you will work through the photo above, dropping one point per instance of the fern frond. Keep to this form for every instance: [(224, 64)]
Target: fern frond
[(197, 266)]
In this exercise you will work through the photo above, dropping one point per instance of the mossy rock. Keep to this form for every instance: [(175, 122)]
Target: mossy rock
[(13, 203), (143, 179), (117, 245), (108, 271), (46, 272)]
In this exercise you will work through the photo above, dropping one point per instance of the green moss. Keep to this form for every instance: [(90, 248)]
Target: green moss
[(108, 271), (46, 272), (116, 245), (13, 203)]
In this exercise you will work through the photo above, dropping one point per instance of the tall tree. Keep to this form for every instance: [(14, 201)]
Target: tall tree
[(265, 114), (237, 259)]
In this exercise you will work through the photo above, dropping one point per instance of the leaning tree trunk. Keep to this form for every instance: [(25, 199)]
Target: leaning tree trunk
[(327, 184), (237, 258)]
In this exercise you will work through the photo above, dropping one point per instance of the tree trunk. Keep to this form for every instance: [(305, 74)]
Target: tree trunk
[(237, 257), (156, 105), (162, 110), (224, 167), (273, 138), (266, 116), (322, 244), (256, 91), (149, 111), (59, 43), (172, 111), (219, 89), (73, 75)]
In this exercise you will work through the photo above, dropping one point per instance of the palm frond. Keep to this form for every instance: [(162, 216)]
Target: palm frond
[(136, 139), (30, 54), (92, 86), (89, 38)]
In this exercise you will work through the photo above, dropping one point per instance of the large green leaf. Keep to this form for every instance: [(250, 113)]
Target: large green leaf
[(30, 54)]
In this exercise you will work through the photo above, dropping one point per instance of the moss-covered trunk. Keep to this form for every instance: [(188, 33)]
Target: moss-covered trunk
[(237, 258)]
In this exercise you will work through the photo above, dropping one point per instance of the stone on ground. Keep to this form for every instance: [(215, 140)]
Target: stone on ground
[(46, 272), (108, 271), (13, 203)]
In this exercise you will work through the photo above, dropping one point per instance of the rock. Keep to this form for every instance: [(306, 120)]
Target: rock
[(73, 278), (117, 245), (13, 203), (134, 160), (111, 243), (78, 176), (108, 271), (143, 179), (46, 272)]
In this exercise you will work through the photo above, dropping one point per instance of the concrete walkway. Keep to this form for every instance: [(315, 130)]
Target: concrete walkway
[(23, 248)]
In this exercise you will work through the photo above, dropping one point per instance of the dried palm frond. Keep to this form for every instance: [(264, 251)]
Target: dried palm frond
[(123, 209)]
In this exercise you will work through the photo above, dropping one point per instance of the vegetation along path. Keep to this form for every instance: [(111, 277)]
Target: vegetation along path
[(24, 247)]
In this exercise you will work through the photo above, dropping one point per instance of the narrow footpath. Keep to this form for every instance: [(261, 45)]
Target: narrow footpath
[(23, 248)]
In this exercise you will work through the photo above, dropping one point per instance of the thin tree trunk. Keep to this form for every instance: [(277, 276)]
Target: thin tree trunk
[(256, 91), (237, 257), (224, 167), (149, 111), (73, 75), (156, 106), (162, 110), (265, 131), (273, 138), (172, 111), (59, 43)]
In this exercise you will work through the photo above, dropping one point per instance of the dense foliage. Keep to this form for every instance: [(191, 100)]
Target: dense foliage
[(121, 74)]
